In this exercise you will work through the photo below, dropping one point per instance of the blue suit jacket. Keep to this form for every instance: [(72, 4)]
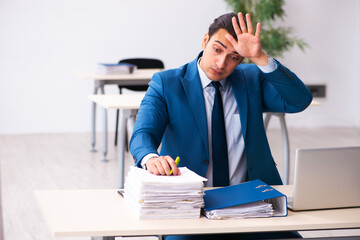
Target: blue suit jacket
[(173, 113)]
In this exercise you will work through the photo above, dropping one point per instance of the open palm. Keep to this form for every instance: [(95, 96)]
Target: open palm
[(247, 44)]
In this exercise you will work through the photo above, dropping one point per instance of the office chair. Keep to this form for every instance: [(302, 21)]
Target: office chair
[(141, 63)]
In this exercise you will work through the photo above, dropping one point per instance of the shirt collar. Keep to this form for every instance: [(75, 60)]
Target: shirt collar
[(205, 81)]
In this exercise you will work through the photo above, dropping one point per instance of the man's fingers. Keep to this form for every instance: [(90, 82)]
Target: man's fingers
[(258, 30), (162, 166), (154, 166), (174, 168), (171, 164), (151, 167), (236, 26), (242, 23), (231, 39), (249, 24), (165, 162)]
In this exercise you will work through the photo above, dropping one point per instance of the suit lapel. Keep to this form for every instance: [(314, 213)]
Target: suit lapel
[(238, 84), (193, 89)]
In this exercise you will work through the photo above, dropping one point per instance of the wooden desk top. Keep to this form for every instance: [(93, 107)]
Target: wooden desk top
[(139, 74), (75, 213)]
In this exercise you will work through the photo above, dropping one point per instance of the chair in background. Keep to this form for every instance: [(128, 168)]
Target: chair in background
[(141, 63)]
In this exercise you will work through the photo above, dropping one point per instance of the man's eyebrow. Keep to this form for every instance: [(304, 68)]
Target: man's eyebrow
[(224, 45), (221, 43)]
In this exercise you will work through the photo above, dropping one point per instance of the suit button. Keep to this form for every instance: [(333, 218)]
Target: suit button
[(206, 162)]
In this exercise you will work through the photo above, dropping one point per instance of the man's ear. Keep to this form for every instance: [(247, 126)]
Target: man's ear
[(205, 40)]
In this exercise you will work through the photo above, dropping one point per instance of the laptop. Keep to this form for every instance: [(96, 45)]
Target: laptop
[(326, 178)]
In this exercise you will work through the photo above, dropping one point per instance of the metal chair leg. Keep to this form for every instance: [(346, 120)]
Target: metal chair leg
[(117, 120), (286, 147), (116, 126)]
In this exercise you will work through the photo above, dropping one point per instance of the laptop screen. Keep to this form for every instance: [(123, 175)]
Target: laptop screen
[(326, 178)]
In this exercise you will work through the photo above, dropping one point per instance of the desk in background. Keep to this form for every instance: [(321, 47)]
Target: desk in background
[(128, 105), (85, 213), (140, 77)]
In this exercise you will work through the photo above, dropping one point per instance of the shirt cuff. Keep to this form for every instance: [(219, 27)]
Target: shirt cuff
[(270, 67), (146, 158)]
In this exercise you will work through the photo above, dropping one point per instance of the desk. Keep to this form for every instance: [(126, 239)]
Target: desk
[(128, 105), (76, 213), (139, 77)]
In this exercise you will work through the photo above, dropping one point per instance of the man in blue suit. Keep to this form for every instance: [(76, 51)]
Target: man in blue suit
[(177, 110)]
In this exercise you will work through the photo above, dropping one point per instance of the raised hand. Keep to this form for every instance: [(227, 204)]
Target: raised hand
[(248, 43)]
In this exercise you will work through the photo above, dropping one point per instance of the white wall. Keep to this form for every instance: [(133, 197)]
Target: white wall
[(42, 42), (331, 28)]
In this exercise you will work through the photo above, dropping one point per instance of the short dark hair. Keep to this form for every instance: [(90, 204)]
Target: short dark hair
[(224, 22)]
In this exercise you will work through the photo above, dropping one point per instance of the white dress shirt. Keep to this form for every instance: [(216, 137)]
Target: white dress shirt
[(234, 136)]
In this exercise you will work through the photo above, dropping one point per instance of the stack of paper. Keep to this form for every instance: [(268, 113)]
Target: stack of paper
[(249, 210), (120, 68), (164, 197)]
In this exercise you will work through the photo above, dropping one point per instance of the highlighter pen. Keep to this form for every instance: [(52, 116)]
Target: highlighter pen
[(177, 160)]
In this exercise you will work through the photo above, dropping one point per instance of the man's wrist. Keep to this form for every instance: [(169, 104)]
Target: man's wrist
[(261, 60), (270, 67)]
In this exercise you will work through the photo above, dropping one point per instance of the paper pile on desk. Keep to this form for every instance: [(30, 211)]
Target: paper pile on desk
[(164, 197), (249, 210), (245, 200), (116, 68)]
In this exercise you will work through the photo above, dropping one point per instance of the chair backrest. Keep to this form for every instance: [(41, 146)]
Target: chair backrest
[(142, 63)]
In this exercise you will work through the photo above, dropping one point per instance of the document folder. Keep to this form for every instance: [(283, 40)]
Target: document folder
[(244, 193)]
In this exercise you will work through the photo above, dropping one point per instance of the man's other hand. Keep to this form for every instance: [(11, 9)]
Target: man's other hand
[(162, 166)]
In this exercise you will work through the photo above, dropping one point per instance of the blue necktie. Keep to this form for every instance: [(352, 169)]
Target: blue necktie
[(219, 145)]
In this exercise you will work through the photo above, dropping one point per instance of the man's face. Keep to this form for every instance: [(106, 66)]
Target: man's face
[(219, 57)]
